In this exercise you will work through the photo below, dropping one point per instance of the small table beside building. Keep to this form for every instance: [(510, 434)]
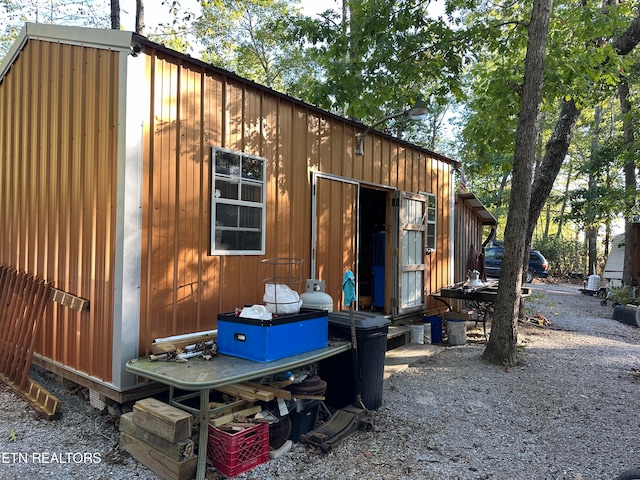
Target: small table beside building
[(202, 376)]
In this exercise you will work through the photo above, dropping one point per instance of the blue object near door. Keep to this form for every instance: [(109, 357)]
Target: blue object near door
[(378, 269), (436, 328)]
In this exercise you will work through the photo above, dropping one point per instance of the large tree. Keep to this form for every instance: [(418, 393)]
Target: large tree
[(630, 168), (558, 144), (115, 14), (501, 347), (14, 13)]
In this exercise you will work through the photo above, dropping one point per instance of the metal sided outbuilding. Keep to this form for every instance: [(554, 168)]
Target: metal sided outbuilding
[(152, 185), (473, 225)]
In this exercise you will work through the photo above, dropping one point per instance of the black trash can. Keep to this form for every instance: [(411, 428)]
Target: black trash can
[(304, 418), (371, 335)]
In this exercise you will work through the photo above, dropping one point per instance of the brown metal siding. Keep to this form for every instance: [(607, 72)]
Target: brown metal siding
[(336, 239), (57, 171), (184, 288), (468, 235)]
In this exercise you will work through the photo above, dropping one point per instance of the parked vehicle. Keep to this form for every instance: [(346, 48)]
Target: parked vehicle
[(493, 263)]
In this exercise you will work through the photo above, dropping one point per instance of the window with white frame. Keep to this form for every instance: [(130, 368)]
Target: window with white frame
[(431, 221), (238, 203)]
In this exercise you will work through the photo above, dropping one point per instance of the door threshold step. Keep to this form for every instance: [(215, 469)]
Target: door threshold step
[(402, 357)]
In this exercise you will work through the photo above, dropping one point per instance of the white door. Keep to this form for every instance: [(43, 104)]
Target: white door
[(412, 230)]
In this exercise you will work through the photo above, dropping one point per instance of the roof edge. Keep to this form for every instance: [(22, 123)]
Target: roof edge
[(124, 41), (478, 208), (89, 37), (456, 164)]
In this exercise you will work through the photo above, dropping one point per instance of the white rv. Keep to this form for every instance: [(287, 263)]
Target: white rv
[(612, 274)]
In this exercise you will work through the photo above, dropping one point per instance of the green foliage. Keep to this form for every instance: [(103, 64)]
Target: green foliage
[(380, 58), (13, 435), (622, 295), (253, 39), (580, 64), (563, 256)]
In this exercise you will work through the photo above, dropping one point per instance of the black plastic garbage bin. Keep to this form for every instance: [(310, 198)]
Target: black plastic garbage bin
[(371, 335)]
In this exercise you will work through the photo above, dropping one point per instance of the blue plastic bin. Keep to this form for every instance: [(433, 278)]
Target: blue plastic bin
[(269, 340)]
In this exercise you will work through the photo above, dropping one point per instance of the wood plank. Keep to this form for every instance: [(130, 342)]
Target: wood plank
[(261, 394), (235, 393), (173, 345), (40, 399), (216, 422), (157, 462), (309, 397), (178, 451), (162, 419), (277, 392)]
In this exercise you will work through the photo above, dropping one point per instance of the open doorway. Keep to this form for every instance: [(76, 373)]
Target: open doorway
[(372, 256)]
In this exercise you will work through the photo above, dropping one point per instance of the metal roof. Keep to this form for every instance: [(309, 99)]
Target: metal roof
[(479, 209), (129, 41)]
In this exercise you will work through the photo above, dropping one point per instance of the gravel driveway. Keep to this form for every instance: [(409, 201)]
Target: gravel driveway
[(569, 411)]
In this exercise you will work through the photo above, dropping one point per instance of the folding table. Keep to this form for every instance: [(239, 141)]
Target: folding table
[(201, 376)]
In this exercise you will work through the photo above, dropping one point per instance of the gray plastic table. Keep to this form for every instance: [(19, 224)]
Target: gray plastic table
[(202, 376)]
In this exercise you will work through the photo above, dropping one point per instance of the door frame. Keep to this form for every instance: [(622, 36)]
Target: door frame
[(315, 177), (392, 253)]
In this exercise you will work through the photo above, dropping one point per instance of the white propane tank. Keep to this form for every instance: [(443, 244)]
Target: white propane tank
[(314, 297), (593, 283)]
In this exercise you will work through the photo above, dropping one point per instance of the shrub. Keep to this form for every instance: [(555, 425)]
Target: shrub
[(564, 256), (622, 295)]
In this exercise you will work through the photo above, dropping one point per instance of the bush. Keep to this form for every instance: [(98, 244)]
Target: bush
[(565, 257), (622, 295)]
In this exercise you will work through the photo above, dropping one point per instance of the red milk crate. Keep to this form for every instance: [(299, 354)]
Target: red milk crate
[(235, 453)]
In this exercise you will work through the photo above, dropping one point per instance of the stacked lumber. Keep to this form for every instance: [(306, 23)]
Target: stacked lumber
[(158, 435), (256, 392)]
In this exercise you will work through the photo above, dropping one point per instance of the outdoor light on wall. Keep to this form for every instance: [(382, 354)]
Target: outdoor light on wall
[(419, 112)]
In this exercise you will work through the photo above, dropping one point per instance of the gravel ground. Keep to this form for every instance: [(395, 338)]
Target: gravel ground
[(568, 411)]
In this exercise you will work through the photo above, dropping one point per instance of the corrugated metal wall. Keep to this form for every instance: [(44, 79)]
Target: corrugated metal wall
[(57, 189), (58, 146), (184, 288), (468, 236)]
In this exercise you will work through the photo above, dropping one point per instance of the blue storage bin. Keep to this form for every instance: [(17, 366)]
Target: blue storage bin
[(436, 327), (269, 340)]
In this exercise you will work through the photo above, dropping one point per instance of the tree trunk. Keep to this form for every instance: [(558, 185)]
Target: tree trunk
[(558, 144), (547, 222), (565, 199), (555, 152), (629, 179), (115, 14), (502, 345), (140, 17), (500, 192), (592, 229)]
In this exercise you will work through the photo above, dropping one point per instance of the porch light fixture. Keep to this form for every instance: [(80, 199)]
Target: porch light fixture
[(419, 112)]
